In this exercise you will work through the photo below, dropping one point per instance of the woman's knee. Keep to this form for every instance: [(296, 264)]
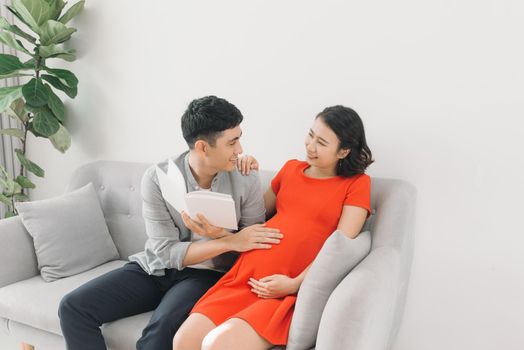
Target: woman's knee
[(193, 330), (220, 338), (234, 334)]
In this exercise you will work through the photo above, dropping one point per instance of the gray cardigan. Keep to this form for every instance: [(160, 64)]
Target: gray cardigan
[(169, 239)]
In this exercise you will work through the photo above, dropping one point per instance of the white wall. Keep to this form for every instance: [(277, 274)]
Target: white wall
[(439, 85)]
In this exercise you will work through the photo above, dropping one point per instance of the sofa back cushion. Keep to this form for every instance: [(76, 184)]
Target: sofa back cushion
[(69, 233), (117, 185)]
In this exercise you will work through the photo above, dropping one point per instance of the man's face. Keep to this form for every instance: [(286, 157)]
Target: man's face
[(223, 156)]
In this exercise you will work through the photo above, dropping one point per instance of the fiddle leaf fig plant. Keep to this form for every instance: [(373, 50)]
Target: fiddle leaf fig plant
[(35, 104)]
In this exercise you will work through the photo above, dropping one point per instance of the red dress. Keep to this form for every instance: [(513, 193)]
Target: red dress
[(307, 212)]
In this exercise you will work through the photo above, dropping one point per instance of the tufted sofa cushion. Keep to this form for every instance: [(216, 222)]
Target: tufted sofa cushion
[(117, 185)]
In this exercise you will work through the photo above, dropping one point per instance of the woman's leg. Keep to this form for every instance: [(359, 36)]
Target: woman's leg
[(192, 332), (233, 334)]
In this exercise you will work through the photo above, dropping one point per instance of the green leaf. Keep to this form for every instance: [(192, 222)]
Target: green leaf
[(13, 132), (35, 93), (20, 197), (10, 214), (9, 64), (57, 7), (16, 110), (9, 187), (55, 104), (5, 200), (31, 128), (71, 92), (66, 77), (72, 12), (53, 32), (9, 40), (12, 187), (14, 75), (29, 165), (45, 123), (33, 109), (16, 187), (17, 15), (50, 51), (18, 8), (8, 95), (61, 140), (30, 64), (15, 30), (24, 182), (3, 174), (17, 107), (39, 10)]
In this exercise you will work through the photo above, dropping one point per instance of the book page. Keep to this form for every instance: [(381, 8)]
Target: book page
[(218, 210), (173, 189)]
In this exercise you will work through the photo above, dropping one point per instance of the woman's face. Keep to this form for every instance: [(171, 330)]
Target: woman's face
[(322, 146)]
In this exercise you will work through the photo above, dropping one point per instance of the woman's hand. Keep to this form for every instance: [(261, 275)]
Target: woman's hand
[(203, 227), (274, 286), (246, 163)]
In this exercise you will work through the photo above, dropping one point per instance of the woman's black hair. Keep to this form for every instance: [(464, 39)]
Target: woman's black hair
[(205, 118), (348, 127)]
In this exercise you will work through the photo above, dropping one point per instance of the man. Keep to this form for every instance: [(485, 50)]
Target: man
[(179, 264)]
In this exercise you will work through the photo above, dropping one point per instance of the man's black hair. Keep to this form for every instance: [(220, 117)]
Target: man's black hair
[(205, 118)]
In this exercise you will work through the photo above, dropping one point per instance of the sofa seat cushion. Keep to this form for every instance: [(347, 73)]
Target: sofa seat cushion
[(35, 302), (124, 333)]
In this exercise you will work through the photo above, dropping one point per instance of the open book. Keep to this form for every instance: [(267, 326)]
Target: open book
[(218, 208)]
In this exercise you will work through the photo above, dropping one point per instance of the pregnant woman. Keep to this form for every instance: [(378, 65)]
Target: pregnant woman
[(251, 306)]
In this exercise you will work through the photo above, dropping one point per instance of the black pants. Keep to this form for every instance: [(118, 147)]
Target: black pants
[(130, 291)]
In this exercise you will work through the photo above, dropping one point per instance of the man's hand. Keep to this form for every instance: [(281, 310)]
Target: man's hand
[(274, 286), (246, 163), (254, 237), (202, 227)]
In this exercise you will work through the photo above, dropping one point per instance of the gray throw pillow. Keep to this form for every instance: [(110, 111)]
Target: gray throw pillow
[(69, 233), (338, 256)]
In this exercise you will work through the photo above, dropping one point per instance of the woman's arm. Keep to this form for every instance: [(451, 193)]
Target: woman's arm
[(300, 278), (352, 220), (277, 286), (270, 200)]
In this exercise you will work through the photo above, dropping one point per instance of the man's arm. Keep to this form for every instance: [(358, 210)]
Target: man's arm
[(252, 237), (164, 235)]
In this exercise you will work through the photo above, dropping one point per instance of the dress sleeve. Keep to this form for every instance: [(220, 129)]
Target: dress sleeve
[(277, 180), (359, 193)]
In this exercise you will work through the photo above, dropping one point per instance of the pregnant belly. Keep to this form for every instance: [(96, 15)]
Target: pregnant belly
[(291, 256)]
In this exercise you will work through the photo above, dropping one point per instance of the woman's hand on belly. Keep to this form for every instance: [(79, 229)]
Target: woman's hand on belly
[(274, 286)]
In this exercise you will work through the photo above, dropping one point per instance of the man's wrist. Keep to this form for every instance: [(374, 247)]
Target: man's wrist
[(223, 233), (226, 242)]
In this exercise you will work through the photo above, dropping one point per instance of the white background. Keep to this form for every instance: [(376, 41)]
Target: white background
[(439, 85)]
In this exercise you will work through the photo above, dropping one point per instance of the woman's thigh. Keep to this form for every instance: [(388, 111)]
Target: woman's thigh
[(233, 334), (192, 332)]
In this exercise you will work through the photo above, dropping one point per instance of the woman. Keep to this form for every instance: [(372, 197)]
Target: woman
[(251, 306)]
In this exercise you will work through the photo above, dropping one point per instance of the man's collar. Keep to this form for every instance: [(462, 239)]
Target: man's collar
[(191, 179)]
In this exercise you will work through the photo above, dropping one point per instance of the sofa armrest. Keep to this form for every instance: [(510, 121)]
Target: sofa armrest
[(360, 311), (17, 252)]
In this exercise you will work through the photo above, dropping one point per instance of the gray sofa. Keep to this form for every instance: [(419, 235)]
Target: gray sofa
[(370, 298)]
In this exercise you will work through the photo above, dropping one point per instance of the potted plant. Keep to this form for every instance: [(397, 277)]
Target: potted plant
[(35, 104)]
